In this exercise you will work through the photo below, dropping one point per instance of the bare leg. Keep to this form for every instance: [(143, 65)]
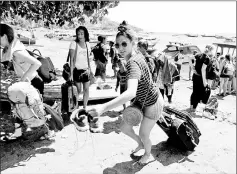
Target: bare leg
[(144, 133), (221, 85), (234, 84), (225, 85), (128, 130), (78, 85), (85, 94)]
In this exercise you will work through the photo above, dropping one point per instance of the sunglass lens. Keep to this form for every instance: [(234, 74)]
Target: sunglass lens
[(124, 44)]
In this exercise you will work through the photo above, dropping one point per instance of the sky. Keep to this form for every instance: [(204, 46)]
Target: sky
[(195, 17)]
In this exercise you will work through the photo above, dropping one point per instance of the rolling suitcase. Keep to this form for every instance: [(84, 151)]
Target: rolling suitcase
[(69, 99), (183, 133)]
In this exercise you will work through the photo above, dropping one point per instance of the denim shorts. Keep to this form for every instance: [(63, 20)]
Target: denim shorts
[(154, 111)]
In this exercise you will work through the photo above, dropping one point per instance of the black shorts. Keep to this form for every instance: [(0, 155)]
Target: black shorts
[(81, 75)]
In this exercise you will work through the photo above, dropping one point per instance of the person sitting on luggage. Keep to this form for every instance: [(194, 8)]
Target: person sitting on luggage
[(141, 88), (79, 63), (25, 66), (121, 78)]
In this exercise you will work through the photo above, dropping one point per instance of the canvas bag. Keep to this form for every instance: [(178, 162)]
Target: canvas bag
[(46, 71), (66, 67)]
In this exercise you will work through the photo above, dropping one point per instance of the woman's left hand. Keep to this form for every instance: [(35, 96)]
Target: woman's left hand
[(96, 111)]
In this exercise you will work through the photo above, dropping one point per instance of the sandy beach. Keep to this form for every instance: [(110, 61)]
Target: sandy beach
[(71, 151)]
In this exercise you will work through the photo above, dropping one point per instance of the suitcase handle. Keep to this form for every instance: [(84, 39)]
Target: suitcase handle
[(37, 51)]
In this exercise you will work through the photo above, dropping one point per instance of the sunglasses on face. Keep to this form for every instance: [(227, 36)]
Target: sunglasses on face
[(124, 44)]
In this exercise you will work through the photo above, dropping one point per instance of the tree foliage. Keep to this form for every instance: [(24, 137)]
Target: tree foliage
[(57, 12)]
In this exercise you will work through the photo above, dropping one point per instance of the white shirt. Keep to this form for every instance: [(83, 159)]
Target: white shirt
[(81, 57)]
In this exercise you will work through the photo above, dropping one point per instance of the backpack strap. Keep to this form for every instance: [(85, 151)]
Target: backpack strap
[(74, 57), (88, 61)]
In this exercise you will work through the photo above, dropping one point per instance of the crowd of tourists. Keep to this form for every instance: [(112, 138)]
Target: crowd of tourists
[(142, 79)]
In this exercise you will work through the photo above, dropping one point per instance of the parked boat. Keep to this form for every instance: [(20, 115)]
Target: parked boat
[(26, 40)]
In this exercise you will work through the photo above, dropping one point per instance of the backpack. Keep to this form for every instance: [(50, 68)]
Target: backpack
[(98, 52), (152, 66), (46, 71), (28, 107), (179, 126), (212, 69)]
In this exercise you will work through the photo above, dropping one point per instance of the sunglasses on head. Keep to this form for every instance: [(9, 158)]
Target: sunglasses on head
[(124, 44)]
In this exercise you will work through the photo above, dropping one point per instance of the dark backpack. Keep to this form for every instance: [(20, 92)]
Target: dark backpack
[(212, 69), (46, 71), (98, 52)]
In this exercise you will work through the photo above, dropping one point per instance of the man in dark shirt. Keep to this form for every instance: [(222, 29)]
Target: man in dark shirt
[(100, 57), (200, 84)]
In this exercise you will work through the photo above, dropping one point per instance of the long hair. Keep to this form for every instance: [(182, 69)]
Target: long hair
[(86, 33), (6, 29)]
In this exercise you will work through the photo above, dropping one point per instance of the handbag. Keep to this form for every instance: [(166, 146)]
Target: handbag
[(66, 67), (91, 75)]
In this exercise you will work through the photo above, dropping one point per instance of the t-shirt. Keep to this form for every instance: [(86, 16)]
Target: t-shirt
[(137, 68), (19, 63), (81, 59), (200, 60)]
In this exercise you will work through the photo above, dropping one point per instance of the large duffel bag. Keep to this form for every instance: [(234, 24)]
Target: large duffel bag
[(183, 133)]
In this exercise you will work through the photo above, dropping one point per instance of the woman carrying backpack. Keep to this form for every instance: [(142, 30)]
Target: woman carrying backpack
[(79, 51), (24, 64), (226, 75), (140, 88)]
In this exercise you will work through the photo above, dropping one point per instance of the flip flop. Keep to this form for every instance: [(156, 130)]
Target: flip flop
[(135, 157)]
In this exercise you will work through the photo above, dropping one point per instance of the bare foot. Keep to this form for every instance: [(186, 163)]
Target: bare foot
[(139, 147), (144, 159)]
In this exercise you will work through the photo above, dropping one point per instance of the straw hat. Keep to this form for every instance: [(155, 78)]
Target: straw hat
[(132, 115)]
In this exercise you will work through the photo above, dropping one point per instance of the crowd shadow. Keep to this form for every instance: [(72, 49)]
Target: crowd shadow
[(15, 153), (167, 154), (112, 126), (163, 152)]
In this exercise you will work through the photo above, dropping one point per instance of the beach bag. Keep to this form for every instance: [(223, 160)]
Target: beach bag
[(212, 106), (66, 67), (56, 121), (180, 128), (46, 71)]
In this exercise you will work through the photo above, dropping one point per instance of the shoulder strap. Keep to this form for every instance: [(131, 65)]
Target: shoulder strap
[(68, 56), (74, 57), (88, 61)]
